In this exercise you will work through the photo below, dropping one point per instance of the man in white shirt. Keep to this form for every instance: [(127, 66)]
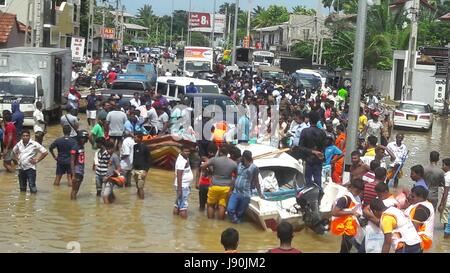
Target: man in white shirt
[(126, 157), (163, 120), (151, 119), (25, 152), (39, 123), (168, 74), (183, 181), (401, 152), (136, 102)]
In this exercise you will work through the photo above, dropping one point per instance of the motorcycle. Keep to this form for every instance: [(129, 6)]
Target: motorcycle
[(308, 205), (83, 80)]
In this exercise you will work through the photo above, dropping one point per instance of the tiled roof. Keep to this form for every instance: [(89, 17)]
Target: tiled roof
[(402, 2), (7, 21)]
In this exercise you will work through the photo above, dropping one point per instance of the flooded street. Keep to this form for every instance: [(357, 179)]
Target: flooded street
[(48, 221)]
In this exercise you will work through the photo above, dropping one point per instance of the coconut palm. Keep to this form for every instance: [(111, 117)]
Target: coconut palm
[(302, 10)]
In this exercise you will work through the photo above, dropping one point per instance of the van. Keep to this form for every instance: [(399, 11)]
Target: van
[(323, 78), (173, 87)]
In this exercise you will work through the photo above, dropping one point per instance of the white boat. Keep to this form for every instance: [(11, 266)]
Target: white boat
[(281, 172), (286, 172)]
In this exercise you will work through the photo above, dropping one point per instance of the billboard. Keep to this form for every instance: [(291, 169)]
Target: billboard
[(77, 46), (197, 53), (200, 19), (219, 26), (108, 33)]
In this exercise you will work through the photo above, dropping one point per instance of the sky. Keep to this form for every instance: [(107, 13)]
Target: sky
[(163, 7)]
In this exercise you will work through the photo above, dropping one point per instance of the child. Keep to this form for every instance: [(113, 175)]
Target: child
[(101, 160), (285, 232), (330, 151), (205, 179), (230, 240)]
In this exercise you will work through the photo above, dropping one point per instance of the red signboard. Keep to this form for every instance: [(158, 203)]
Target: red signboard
[(199, 19), (108, 33)]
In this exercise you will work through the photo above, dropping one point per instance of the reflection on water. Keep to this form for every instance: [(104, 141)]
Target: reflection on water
[(48, 221)]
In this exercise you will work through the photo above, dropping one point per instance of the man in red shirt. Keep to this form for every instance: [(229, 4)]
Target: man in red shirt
[(285, 233), (9, 140), (112, 76)]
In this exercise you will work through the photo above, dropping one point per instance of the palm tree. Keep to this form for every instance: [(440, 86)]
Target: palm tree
[(146, 16), (302, 10), (257, 11)]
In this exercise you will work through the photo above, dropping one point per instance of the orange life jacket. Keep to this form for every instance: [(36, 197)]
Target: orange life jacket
[(347, 224), (219, 133)]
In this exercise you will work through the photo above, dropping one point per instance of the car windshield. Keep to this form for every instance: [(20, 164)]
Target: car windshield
[(208, 89), (414, 108), (17, 86), (262, 59), (198, 66)]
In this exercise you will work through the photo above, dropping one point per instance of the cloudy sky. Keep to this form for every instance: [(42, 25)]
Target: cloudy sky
[(162, 7)]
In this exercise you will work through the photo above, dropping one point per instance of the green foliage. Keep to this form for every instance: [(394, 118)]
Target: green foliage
[(273, 15), (198, 39), (302, 10), (303, 49)]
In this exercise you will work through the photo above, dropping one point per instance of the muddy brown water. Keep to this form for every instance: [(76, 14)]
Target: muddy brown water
[(48, 221)]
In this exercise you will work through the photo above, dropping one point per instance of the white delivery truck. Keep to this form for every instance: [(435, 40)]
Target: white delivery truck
[(31, 74), (197, 59)]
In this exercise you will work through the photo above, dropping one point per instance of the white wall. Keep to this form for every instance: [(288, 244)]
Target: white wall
[(424, 84)]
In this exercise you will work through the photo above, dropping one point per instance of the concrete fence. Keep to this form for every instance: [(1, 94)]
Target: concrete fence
[(380, 80)]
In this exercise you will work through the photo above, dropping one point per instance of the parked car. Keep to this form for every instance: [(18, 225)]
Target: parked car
[(413, 114)]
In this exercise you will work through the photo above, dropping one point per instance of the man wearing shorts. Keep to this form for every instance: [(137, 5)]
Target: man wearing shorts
[(91, 108), (64, 146), (77, 163), (141, 164), (183, 180), (223, 169), (126, 157)]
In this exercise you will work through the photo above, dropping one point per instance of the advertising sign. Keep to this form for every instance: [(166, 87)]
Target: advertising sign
[(108, 33), (77, 46), (197, 53), (219, 26), (200, 19)]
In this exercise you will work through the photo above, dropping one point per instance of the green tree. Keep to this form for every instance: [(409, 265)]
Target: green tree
[(273, 15), (303, 49), (257, 11), (302, 10), (198, 39), (145, 16)]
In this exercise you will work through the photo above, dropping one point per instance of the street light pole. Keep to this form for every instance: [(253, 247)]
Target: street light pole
[(249, 17), (171, 28), (236, 14), (408, 88), (355, 94), (103, 29)]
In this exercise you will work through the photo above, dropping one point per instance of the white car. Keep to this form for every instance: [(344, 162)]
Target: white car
[(413, 114)]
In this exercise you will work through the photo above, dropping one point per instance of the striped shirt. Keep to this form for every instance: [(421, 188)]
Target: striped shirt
[(368, 177), (102, 165), (369, 192)]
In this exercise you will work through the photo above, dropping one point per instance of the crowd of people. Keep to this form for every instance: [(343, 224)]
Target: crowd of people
[(312, 125)]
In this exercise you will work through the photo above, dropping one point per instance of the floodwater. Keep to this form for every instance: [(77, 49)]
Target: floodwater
[(49, 221)]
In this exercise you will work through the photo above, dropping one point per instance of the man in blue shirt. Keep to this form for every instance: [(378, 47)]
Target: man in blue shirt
[(243, 129), (417, 173), (191, 89), (246, 180), (330, 151)]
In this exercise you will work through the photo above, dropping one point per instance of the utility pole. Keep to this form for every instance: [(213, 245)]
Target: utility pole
[(213, 24), (236, 14), (355, 94), (38, 26), (225, 31), (103, 29), (447, 84), (189, 24), (317, 51), (411, 61), (249, 18), (229, 27), (116, 20), (122, 28), (28, 24), (171, 27), (90, 39)]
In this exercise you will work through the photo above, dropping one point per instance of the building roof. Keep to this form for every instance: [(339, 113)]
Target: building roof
[(125, 14), (445, 17), (400, 3), (134, 26), (7, 21), (271, 28)]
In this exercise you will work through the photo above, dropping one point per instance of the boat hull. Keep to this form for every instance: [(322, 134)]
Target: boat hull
[(164, 150)]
